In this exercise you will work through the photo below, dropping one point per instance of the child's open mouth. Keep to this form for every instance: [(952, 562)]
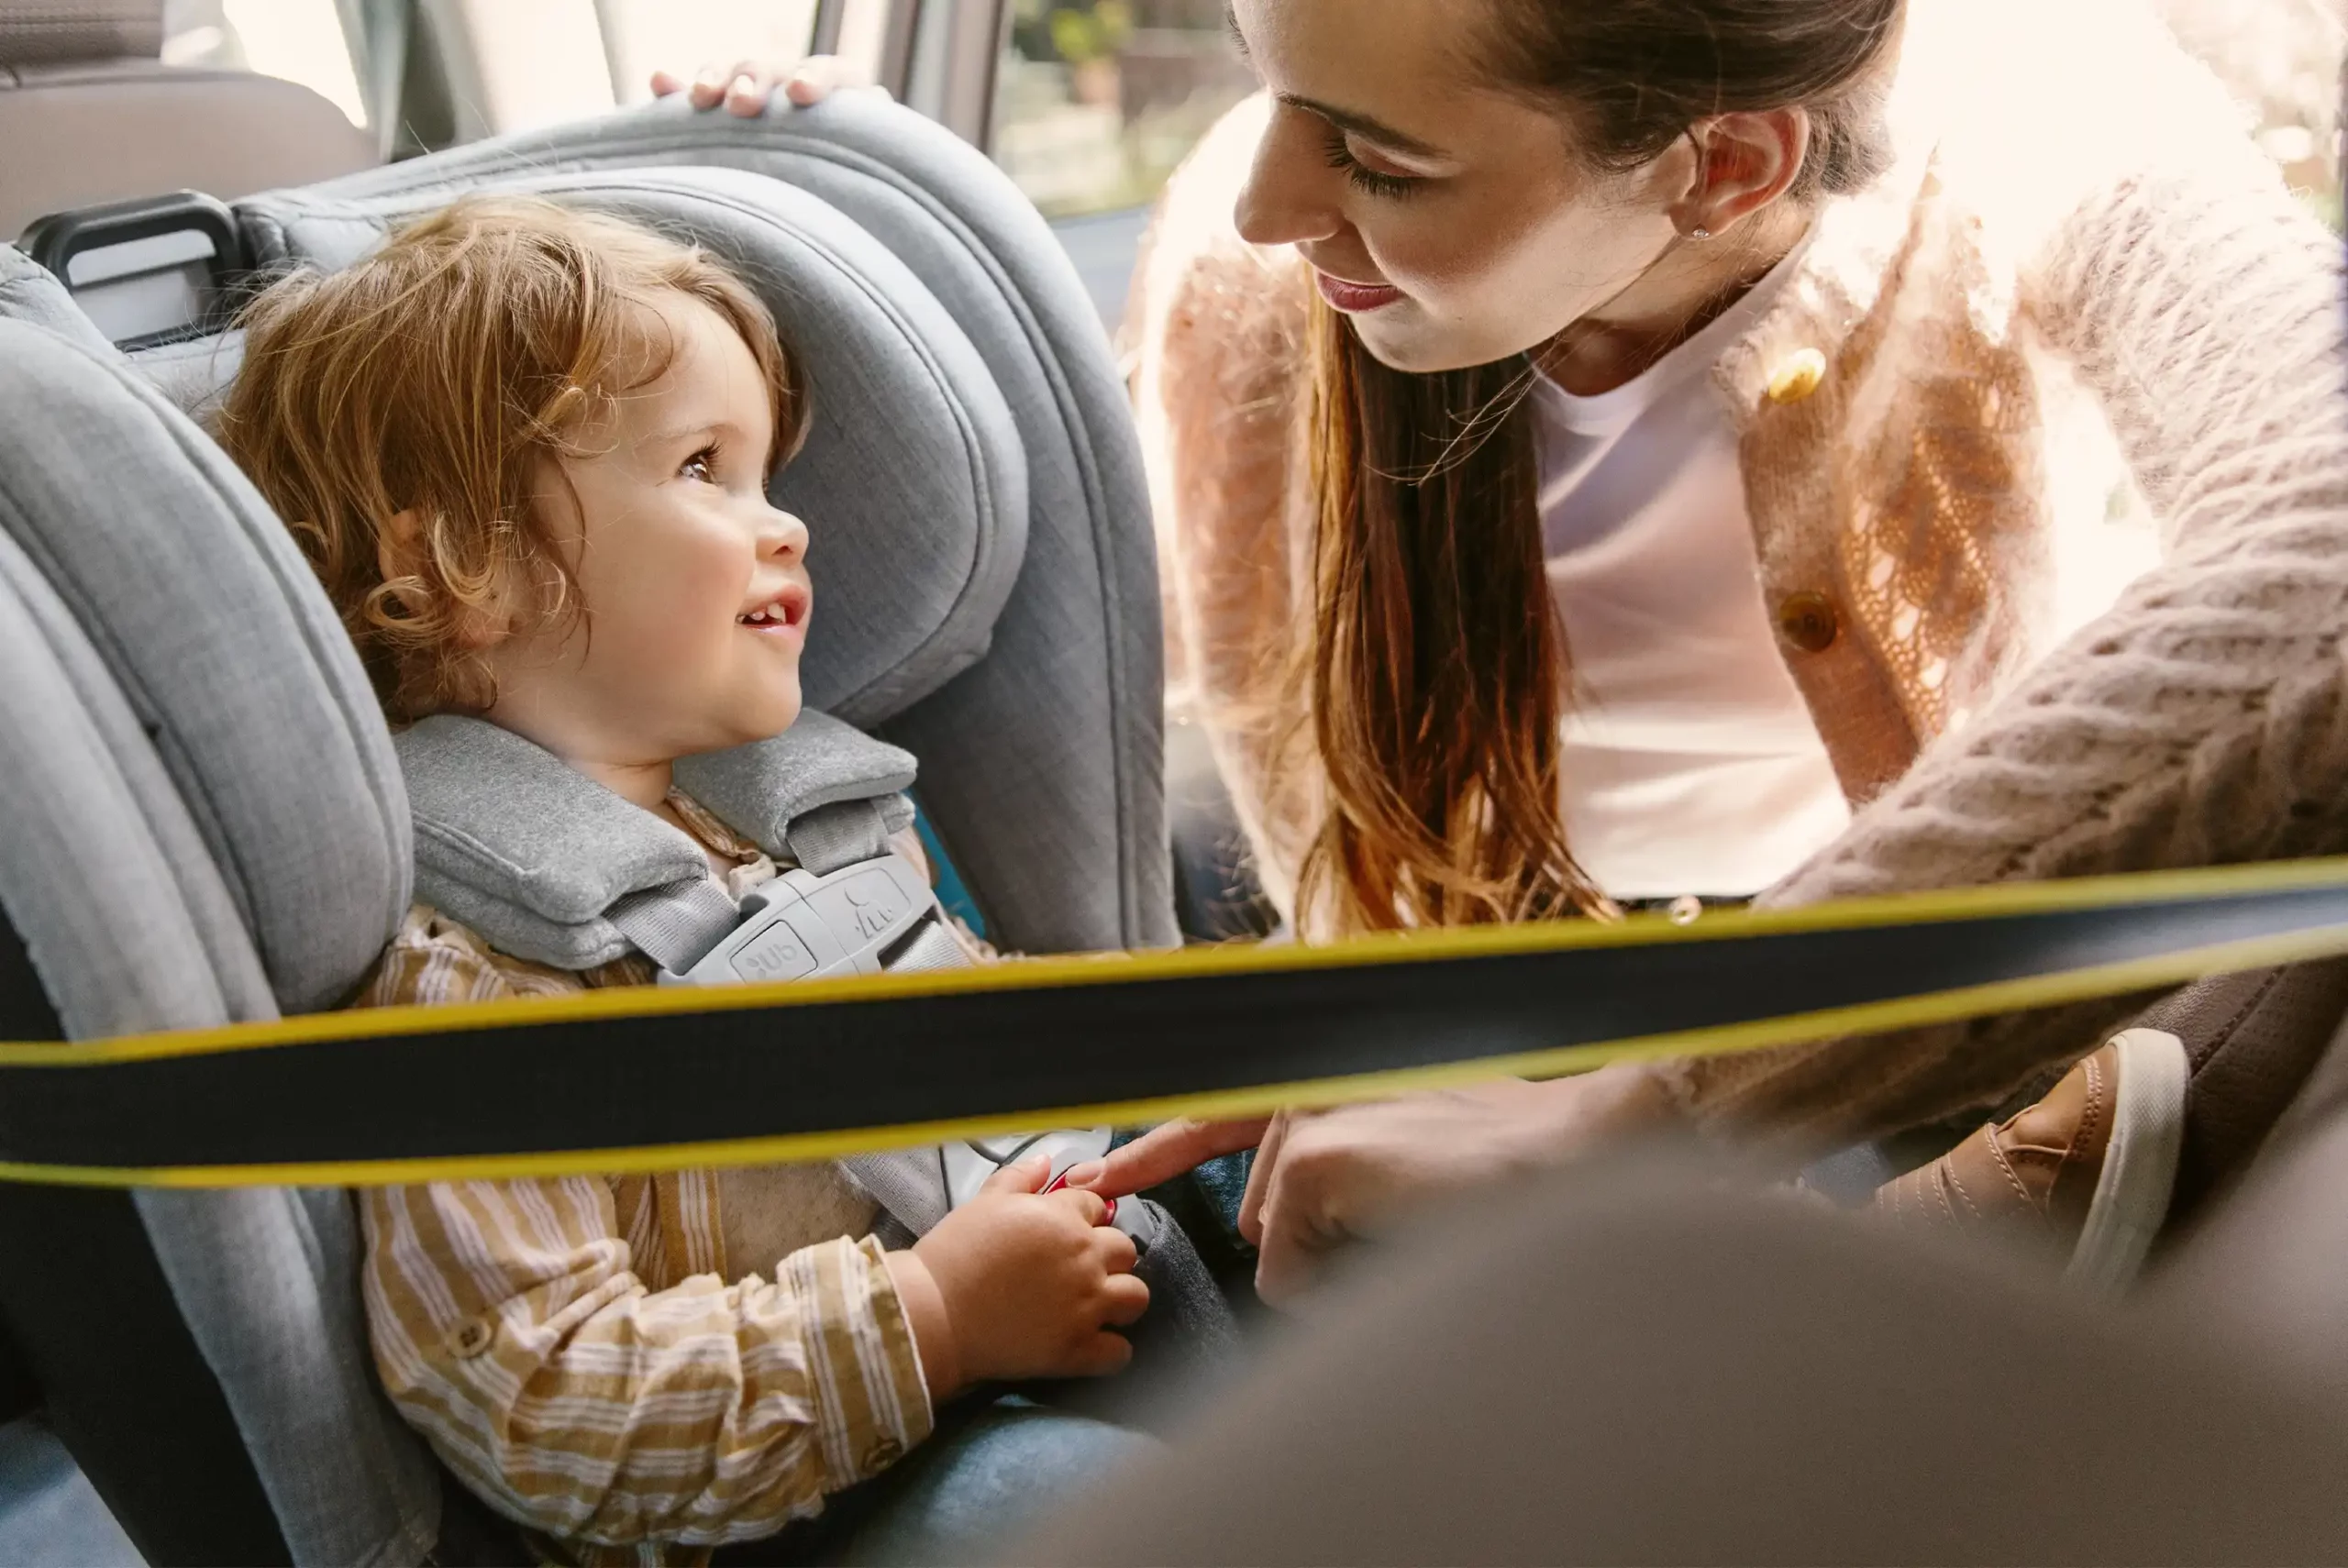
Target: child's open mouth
[(786, 612)]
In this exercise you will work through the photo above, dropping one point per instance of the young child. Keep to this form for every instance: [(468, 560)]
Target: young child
[(527, 449)]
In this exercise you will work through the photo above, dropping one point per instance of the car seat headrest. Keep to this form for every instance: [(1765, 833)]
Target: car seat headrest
[(73, 32), (914, 479), (218, 639)]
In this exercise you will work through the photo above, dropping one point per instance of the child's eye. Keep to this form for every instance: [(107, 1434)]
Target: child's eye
[(702, 466)]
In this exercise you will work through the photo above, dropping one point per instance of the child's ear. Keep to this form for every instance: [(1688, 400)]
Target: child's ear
[(399, 552)]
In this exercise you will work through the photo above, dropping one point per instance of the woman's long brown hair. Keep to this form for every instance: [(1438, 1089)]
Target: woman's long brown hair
[(1435, 673)]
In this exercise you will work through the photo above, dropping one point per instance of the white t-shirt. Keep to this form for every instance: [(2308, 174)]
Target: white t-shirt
[(1691, 762)]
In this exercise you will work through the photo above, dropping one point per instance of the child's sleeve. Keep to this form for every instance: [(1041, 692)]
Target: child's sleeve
[(510, 1329)]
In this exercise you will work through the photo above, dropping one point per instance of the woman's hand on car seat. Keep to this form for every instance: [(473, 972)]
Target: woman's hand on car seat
[(748, 86), (1024, 1284)]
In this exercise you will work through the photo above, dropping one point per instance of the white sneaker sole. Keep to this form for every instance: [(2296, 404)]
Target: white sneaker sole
[(2132, 1195)]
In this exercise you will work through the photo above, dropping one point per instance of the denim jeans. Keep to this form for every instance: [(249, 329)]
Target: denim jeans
[(991, 1465)]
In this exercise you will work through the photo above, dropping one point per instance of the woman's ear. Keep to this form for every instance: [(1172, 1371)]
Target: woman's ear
[(1743, 162)]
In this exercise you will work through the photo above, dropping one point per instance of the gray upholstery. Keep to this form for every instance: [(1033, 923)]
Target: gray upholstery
[(534, 855), (214, 632), (89, 115), (177, 781)]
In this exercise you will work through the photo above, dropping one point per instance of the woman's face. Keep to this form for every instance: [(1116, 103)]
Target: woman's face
[(1453, 221)]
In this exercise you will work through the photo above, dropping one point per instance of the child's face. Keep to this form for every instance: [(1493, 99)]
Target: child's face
[(695, 589)]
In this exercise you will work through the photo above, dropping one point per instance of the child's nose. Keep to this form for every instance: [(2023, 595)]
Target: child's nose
[(783, 534)]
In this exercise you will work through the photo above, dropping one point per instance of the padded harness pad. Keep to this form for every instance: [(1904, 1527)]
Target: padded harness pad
[(533, 855)]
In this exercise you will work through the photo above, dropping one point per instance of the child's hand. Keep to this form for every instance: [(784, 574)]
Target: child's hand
[(1017, 1284)]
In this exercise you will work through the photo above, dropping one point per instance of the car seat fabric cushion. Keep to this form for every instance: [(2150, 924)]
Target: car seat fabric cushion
[(213, 630), (113, 883)]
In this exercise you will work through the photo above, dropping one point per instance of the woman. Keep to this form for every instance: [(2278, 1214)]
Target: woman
[(1605, 455)]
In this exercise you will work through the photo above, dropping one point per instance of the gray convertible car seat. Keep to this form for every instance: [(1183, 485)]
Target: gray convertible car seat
[(201, 821)]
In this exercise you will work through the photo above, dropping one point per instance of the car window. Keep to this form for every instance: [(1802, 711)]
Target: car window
[(300, 41), (1096, 101), (2282, 59)]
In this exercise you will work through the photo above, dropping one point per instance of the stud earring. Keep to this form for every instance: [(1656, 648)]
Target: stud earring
[(1700, 234)]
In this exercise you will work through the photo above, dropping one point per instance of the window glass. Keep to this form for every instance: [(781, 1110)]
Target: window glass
[(1096, 101), (2282, 58), (300, 41)]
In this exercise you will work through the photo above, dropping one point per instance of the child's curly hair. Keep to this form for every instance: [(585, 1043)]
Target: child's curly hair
[(433, 379)]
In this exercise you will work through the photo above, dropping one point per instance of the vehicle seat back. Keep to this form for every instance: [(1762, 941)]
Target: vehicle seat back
[(90, 113)]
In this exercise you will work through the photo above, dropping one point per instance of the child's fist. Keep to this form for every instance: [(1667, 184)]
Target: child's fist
[(1028, 1284)]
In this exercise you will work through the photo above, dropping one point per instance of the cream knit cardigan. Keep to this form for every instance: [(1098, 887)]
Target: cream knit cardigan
[(2073, 190)]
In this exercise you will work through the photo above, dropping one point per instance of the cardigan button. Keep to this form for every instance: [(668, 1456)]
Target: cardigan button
[(1807, 621), (1799, 376)]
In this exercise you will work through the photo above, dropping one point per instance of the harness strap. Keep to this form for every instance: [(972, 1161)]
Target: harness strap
[(825, 839), (676, 926), (932, 949)]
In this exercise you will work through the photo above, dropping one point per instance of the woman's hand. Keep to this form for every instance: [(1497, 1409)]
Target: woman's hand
[(747, 89), (1017, 1284), (1321, 1178)]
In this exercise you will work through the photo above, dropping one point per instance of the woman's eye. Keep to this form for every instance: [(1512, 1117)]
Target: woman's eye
[(1373, 181), (702, 466)]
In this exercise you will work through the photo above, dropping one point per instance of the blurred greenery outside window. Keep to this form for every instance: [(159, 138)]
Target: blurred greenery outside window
[(1096, 101)]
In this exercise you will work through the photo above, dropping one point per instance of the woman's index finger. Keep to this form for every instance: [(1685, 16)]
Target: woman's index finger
[(1164, 1152)]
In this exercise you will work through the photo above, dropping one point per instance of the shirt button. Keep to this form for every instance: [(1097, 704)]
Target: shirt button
[(1807, 622), (472, 1337), (1799, 376), (884, 1453)]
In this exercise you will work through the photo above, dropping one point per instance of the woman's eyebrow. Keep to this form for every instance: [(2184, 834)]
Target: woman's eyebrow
[(1364, 126)]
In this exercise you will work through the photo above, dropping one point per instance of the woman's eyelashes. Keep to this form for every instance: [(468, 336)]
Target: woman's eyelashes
[(702, 466), (1371, 181)]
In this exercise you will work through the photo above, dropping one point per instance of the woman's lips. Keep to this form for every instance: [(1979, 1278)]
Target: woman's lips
[(1356, 299)]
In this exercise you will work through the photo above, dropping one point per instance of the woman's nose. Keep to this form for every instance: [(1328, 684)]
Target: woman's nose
[(1290, 197)]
